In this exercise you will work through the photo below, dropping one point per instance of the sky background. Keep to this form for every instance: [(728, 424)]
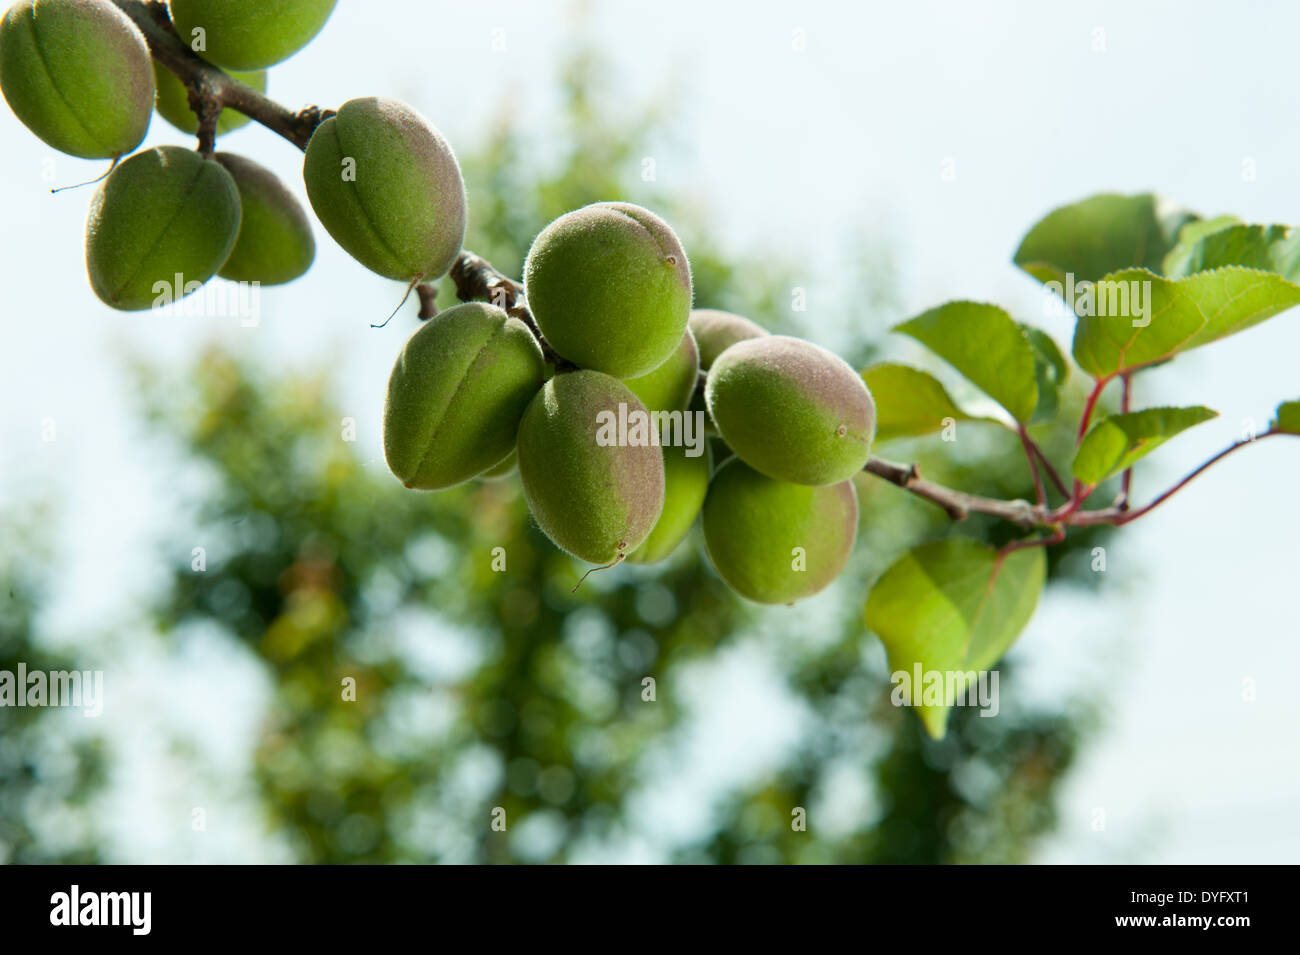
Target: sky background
[(938, 132)]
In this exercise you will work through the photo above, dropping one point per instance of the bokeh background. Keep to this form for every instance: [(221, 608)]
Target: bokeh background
[(879, 158)]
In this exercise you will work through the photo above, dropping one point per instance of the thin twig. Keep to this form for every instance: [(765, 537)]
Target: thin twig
[(1080, 493), (1089, 406), (1039, 490), (957, 504), (1117, 517), (1057, 535), (1051, 471), (1126, 482)]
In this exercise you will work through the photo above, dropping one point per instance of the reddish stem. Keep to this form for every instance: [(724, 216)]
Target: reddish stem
[(1118, 518), (1126, 482), (1058, 535), (1051, 471), (1089, 406), (1033, 465)]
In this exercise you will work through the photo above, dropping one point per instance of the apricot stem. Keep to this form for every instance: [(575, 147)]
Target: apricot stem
[(614, 563), (90, 182)]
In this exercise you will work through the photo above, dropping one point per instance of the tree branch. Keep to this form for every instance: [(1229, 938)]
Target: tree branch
[(210, 89), (477, 278), (1120, 515), (957, 504)]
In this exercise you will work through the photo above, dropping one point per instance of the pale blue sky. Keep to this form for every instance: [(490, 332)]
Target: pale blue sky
[(790, 150)]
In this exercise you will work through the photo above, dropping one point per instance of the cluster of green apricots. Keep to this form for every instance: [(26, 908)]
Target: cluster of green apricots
[(603, 439), (79, 74), (477, 392)]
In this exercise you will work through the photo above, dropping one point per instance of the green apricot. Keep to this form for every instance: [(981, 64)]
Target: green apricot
[(502, 470), (166, 217), (173, 101), (610, 288), (686, 482), (78, 74), (387, 187), (774, 542), (249, 34), (597, 500), (792, 410), (717, 331), (275, 242), (670, 386), (456, 394)]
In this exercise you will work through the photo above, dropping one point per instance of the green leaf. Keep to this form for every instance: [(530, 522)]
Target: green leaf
[(953, 606), (1175, 263), (985, 344), (1272, 248), (910, 402), (1050, 370), (1149, 319), (1287, 418), (1112, 445), (1089, 239)]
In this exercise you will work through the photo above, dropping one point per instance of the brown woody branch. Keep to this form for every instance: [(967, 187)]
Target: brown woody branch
[(476, 278), (957, 504), (210, 89)]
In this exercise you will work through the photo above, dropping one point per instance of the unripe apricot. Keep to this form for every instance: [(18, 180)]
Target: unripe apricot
[(173, 101), (792, 410), (686, 482), (78, 74), (456, 394), (610, 288), (249, 34), (596, 500), (670, 386), (275, 242), (387, 187), (165, 217), (716, 331), (774, 542)]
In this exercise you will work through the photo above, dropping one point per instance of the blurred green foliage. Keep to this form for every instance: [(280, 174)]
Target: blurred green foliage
[(50, 767), (416, 690)]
